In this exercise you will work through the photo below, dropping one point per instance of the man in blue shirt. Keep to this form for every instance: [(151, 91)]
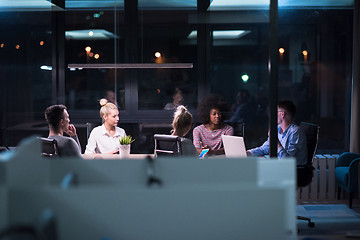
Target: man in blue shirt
[(291, 139)]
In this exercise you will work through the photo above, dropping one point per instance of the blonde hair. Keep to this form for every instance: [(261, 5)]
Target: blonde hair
[(106, 107), (182, 121)]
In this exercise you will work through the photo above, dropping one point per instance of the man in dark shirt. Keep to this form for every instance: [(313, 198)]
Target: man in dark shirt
[(59, 122)]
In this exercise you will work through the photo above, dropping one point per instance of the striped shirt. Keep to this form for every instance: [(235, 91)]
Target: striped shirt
[(210, 138)]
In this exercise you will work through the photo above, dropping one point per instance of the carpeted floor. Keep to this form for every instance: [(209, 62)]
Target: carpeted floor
[(327, 211), (332, 221)]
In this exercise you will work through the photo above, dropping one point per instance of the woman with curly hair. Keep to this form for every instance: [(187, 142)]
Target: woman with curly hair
[(208, 135)]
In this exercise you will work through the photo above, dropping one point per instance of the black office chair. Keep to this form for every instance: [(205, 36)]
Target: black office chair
[(4, 148), (239, 128), (49, 147), (305, 172), (167, 145), (89, 127)]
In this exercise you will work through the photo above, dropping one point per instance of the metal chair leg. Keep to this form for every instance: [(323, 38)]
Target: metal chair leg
[(350, 199), (310, 223)]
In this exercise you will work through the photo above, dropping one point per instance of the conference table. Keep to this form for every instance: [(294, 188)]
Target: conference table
[(107, 156)]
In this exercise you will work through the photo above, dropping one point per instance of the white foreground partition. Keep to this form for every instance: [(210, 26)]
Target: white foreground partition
[(198, 199), (276, 172)]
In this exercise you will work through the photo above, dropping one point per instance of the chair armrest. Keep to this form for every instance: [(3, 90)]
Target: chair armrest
[(346, 158), (353, 175), (353, 168)]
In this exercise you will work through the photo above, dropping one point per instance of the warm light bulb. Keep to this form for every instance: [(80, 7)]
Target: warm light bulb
[(41, 43), (2, 45), (88, 49), (281, 50), (91, 54), (157, 54), (17, 46), (96, 56), (305, 53)]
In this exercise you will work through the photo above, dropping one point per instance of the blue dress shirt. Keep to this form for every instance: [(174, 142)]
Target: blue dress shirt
[(293, 143)]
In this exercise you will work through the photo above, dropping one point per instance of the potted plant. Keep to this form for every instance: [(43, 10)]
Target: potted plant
[(125, 143)]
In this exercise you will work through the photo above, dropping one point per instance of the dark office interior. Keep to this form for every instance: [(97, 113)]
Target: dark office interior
[(76, 52), (320, 82)]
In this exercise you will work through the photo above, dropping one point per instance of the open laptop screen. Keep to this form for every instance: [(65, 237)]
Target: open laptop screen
[(234, 146)]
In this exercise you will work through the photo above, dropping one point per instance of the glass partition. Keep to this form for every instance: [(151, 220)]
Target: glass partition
[(25, 70), (94, 37), (315, 67), (239, 69), (225, 49), (165, 39)]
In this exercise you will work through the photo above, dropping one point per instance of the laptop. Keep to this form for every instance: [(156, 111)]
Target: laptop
[(234, 146)]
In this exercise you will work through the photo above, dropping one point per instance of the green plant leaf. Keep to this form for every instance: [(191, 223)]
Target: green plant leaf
[(126, 140)]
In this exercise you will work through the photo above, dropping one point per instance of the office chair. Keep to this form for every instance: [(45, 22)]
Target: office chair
[(167, 145), (239, 128), (49, 147), (89, 127), (346, 174), (305, 172), (4, 148)]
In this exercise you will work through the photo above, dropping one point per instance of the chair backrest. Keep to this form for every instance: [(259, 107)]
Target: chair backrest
[(89, 127), (49, 147), (239, 128), (305, 173), (312, 137), (167, 145), (4, 148)]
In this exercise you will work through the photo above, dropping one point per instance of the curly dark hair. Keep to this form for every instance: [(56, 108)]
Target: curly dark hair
[(209, 102)]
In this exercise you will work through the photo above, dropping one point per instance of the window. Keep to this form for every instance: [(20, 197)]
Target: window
[(222, 49)]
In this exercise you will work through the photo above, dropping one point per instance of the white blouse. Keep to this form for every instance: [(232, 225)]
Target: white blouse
[(100, 141)]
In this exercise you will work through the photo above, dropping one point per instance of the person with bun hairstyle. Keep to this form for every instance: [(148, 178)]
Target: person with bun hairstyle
[(181, 126), (208, 135), (105, 138), (59, 123)]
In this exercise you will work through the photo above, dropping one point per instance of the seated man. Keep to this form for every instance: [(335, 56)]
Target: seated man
[(291, 139), (58, 120)]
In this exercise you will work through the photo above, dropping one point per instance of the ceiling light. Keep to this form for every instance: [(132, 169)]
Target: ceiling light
[(236, 4), (157, 54), (97, 34), (47, 68), (265, 4), (223, 34), (28, 5)]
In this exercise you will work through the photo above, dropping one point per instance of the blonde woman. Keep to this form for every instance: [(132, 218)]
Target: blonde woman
[(181, 126), (105, 138)]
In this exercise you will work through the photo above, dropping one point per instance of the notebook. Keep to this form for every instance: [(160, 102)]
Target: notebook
[(234, 146)]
